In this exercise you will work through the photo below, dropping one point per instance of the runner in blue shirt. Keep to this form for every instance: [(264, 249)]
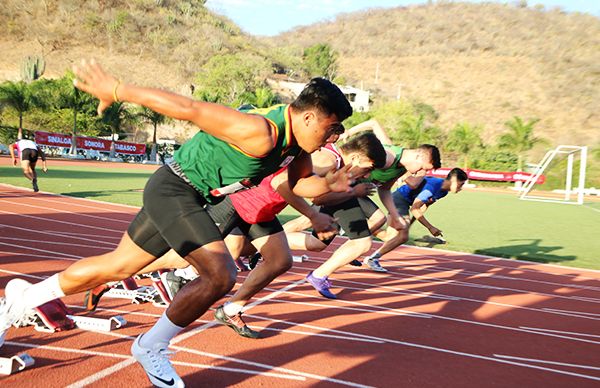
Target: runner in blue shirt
[(416, 201)]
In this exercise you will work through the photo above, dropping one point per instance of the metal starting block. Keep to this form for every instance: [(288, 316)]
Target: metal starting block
[(98, 324), (128, 289), (54, 316), (299, 259), (14, 364)]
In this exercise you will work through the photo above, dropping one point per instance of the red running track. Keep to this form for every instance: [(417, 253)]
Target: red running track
[(436, 319)]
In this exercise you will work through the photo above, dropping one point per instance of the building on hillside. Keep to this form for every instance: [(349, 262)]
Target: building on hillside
[(359, 99)]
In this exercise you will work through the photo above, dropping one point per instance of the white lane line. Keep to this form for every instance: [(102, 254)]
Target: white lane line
[(378, 288), (53, 242), (560, 331), (87, 235), (513, 261), (572, 312), (438, 280), (24, 274), (460, 271), (38, 232), (95, 207), (45, 251), (129, 358), (115, 368), (547, 362), (431, 315), (49, 219), (77, 199), (62, 211), (29, 255)]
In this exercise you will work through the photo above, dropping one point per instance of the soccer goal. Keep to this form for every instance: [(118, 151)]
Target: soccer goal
[(564, 160)]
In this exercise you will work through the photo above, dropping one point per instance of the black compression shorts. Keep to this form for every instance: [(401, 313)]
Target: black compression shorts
[(351, 218), (29, 154), (173, 216), (227, 219)]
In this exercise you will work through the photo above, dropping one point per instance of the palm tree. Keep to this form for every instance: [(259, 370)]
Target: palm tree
[(115, 117), (463, 138), (154, 118), (18, 96), (414, 131), (70, 97), (519, 138)]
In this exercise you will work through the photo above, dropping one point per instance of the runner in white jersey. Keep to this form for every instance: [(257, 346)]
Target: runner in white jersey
[(28, 152)]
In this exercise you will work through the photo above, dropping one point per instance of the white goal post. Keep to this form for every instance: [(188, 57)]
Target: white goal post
[(569, 190)]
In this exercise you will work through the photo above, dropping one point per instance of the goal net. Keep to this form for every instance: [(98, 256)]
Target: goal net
[(564, 168)]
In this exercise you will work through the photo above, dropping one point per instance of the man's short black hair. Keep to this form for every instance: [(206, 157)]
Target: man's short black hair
[(459, 173), (325, 96), (367, 143), (434, 152)]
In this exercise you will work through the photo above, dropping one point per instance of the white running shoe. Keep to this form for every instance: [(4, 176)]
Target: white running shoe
[(374, 265), (11, 306), (156, 364)]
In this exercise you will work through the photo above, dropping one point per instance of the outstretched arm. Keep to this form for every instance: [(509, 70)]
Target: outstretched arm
[(369, 125), (251, 133), (43, 156), (11, 150), (303, 183), (418, 209), (385, 194)]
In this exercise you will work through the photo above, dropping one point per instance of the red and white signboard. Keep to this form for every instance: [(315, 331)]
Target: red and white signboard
[(53, 139), (498, 176), (93, 143), (122, 147)]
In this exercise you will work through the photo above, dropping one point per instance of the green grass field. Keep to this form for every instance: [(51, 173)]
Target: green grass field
[(488, 223)]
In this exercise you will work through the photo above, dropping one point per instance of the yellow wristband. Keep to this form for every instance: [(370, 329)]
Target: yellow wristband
[(115, 96)]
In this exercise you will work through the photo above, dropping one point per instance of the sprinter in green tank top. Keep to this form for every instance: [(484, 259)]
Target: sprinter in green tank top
[(233, 151)]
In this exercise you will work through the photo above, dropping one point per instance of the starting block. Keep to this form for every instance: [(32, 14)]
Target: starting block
[(300, 259), (128, 289), (14, 364), (54, 316)]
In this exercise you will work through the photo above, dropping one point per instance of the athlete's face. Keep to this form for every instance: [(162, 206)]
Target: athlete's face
[(361, 165), (420, 162), (318, 130)]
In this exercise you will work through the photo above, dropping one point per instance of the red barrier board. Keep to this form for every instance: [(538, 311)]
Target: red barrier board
[(53, 139), (92, 143), (498, 176), (122, 147)]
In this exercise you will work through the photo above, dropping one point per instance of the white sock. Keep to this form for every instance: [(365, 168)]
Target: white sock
[(42, 292), (375, 255), (159, 336), (232, 308)]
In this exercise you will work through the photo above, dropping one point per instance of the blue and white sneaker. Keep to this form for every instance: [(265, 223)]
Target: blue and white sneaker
[(157, 365), (322, 285)]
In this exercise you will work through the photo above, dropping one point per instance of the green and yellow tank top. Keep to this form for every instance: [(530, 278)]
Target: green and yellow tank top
[(216, 168)]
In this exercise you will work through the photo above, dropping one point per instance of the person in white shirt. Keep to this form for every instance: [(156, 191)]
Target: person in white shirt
[(28, 152)]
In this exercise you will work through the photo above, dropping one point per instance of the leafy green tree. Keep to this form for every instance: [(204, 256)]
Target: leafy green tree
[(519, 138), (227, 78), (116, 117), (463, 138), (320, 61), (415, 131), (69, 97), (149, 116), (18, 96)]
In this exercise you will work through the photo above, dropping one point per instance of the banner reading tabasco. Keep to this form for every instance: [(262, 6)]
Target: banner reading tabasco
[(122, 147)]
